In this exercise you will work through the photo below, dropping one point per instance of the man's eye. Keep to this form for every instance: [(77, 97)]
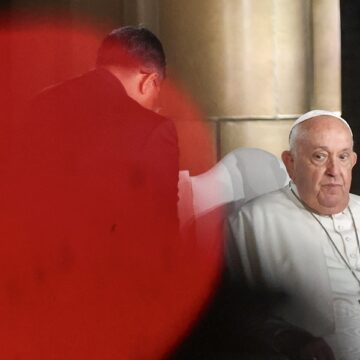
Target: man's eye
[(319, 156), (344, 156)]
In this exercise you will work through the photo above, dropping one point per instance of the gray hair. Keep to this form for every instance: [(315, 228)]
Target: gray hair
[(297, 131)]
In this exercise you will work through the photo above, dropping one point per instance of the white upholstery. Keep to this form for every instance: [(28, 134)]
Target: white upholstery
[(253, 172), (240, 176)]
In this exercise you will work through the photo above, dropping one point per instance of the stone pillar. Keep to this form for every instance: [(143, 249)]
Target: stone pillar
[(254, 65), (326, 55)]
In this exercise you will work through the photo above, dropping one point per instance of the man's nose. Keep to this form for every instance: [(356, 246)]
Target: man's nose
[(332, 167)]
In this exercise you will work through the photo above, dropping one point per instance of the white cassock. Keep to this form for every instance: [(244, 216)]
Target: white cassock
[(277, 242)]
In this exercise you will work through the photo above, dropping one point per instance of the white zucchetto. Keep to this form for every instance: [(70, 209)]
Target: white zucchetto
[(314, 113)]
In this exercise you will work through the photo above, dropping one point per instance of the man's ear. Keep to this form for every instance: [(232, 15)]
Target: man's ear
[(148, 83), (288, 159), (354, 158)]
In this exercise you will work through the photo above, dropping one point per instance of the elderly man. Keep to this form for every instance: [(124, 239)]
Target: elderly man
[(303, 239)]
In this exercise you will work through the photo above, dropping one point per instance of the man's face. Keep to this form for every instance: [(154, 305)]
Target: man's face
[(321, 164)]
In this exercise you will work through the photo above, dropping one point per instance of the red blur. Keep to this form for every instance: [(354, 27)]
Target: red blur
[(77, 282)]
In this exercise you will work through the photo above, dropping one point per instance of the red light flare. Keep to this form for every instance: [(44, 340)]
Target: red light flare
[(67, 292)]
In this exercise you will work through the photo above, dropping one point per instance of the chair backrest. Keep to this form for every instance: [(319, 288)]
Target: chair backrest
[(240, 176), (254, 172)]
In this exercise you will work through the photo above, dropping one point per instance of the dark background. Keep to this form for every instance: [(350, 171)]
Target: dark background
[(350, 72)]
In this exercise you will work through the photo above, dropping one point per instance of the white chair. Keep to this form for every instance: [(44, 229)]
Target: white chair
[(239, 177)]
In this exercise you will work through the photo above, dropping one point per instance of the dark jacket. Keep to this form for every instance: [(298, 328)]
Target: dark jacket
[(91, 224)]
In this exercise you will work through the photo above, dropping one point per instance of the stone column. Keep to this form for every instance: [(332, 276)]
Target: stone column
[(254, 65), (326, 55)]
